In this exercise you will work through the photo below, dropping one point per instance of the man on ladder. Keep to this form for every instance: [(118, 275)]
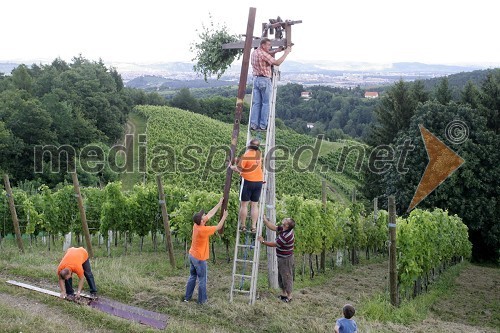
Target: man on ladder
[(262, 60), (250, 168)]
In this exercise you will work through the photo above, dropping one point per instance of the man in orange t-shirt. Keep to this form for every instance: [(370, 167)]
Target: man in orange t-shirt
[(250, 169), (199, 252), (76, 260)]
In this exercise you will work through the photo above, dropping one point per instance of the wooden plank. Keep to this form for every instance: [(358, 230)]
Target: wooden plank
[(150, 318), (255, 43), (27, 286)]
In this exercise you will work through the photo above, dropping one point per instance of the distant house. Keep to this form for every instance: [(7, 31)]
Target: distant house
[(306, 95), (371, 94), (310, 125)]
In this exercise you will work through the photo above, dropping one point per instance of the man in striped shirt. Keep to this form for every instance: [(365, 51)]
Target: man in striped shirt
[(284, 251), (262, 59)]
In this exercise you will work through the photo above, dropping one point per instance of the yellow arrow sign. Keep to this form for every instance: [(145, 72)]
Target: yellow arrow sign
[(442, 163)]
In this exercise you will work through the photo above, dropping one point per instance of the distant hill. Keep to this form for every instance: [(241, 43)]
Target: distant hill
[(417, 67), (456, 81), (153, 82), (459, 80)]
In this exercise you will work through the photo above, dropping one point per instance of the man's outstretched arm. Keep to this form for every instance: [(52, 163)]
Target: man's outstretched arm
[(214, 210), (222, 220), (280, 60)]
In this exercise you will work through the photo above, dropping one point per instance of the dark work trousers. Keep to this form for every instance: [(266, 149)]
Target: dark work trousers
[(88, 276)]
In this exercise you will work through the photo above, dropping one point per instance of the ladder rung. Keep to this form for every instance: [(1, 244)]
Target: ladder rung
[(242, 291), (243, 260), (244, 245), (243, 276)]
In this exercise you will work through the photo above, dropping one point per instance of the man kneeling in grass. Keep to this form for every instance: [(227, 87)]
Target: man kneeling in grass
[(76, 260)]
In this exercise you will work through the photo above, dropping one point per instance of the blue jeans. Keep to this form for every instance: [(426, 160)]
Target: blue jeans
[(261, 101), (198, 270)]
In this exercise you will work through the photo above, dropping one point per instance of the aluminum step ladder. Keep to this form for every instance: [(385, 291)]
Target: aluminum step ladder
[(247, 253)]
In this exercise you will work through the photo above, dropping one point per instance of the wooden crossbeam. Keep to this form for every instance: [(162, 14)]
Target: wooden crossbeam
[(255, 43)]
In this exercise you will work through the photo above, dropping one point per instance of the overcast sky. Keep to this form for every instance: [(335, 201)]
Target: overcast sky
[(435, 31)]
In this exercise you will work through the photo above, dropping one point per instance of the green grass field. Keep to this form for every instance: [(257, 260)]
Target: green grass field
[(146, 280)]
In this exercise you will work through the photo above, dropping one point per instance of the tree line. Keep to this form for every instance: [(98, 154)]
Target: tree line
[(470, 126), (62, 103)]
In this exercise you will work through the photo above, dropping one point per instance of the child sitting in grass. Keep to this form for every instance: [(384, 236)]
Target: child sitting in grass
[(346, 324)]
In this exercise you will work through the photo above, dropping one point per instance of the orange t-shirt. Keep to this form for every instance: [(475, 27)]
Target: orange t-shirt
[(199, 244), (251, 166), (74, 259)]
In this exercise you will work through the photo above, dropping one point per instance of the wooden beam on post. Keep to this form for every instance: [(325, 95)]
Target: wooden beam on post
[(83, 215), (166, 223), (13, 212), (393, 273), (239, 105)]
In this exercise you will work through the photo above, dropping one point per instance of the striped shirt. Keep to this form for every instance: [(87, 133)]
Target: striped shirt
[(261, 63), (284, 242)]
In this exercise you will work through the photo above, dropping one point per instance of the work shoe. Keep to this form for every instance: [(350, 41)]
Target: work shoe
[(253, 127)]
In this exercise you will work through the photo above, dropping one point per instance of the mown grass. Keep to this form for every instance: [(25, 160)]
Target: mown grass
[(380, 309), (147, 280)]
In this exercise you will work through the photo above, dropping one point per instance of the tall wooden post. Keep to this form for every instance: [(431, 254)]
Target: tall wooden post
[(393, 273), (239, 104), (166, 223), (322, 262), (13, 213), (83, 215)]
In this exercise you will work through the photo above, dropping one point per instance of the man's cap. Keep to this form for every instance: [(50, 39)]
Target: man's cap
[(198, 216)]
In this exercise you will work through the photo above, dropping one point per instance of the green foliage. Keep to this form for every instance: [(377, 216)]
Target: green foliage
[(343, 167), (71, 104), (222, 108), (184, 100), (210, 58), (427, 239), (443, 93), (93, 200), (144, 208), (472, 191), (172, 131), (336, 112), (115, 212), (393, 113), (68, 215)]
